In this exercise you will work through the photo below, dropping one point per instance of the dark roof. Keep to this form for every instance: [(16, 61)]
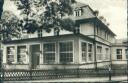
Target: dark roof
[(87, 17), (79, 5), (105, 26)]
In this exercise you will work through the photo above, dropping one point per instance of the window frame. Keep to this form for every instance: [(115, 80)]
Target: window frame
[(126, 53), (18, 54), (40, 33), (89, 52), (107, 54), (120, 54), (72, 41), (82, 52), (14, 54), (49, 52), (99, 54)]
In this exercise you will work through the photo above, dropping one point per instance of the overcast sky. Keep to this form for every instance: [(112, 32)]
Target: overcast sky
[(115, 12)]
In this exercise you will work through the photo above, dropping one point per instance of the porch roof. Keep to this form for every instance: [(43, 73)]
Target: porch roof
[(46, 38)]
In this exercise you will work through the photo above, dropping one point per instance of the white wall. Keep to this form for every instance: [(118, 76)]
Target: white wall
[(87, 29), (45, 34), (114, 56)]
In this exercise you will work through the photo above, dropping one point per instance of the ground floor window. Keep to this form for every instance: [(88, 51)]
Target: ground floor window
[(99, 53), (49, 52), (21, 54), (84, 51), (10, 54), (66, 52), (90, 52), (119, 53)]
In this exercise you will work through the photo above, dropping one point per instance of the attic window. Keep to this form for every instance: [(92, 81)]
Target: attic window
[(78, 12)]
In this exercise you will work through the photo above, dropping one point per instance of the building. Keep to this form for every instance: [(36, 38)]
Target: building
[(119, 53), (89, 46)]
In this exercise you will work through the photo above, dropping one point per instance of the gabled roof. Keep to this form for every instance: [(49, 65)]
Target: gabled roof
[(87, 12)]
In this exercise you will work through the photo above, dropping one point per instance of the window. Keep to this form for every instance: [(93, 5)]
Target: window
[(56, 32), (49, 52), (99, 53), (97, 30), (10, 54), (21, 54), (84, 51), (78, 12), (77, 30), (107, 54), (105, 34), (126, 51), (40, 33), (90, 57), (66, 52), (119, 53)]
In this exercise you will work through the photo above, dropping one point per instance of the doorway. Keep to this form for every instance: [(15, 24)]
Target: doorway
[(35, 56)]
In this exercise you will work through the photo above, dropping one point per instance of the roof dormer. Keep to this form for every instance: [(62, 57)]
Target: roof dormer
[(78, 12)]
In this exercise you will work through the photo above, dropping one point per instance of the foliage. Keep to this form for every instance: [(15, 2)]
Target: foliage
[(9, 25), (46, 14), (1, 7)]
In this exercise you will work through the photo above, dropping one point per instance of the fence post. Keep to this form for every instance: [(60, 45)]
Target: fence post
[(78, 73), (109, 73), (30, 72)]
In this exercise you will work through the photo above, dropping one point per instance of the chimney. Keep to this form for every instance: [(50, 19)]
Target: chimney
[(96, 12)]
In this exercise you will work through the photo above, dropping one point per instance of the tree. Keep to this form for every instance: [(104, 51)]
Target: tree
[(46, 14), (1, 7), (9, 25)]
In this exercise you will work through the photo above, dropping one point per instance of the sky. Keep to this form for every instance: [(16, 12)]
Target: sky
[(115, 12)]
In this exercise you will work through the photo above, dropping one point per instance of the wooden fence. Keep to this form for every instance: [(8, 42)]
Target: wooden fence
[(20, 75)]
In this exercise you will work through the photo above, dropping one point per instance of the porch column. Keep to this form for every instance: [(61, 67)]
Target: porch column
[(29, 57), (95, 56), (57, 56)]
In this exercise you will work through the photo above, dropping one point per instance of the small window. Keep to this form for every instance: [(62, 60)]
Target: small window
[(119, 53), (49, 53), (40, 33), (10, 54), (66, 52), (84, 51), (21, 54), (77, 30), (56, 32), (78, 12), (90, 54)]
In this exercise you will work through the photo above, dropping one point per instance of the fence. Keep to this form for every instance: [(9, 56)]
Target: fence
[(20, 75)]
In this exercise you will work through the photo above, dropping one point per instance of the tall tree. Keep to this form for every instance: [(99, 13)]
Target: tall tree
[(1, 7), (9, 25), (46, 14)]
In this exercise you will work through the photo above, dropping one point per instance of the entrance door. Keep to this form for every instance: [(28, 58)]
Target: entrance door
[(35, 56)]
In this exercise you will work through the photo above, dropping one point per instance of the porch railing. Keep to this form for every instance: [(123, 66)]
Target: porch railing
[(20, 75)]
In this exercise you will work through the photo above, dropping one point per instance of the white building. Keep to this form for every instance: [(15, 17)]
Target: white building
[(87, 47)]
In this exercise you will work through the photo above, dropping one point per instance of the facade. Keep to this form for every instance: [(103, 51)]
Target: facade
[(88, 46), (119, 52)]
